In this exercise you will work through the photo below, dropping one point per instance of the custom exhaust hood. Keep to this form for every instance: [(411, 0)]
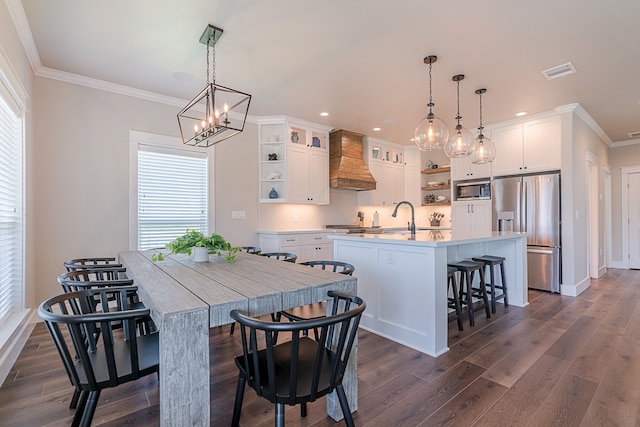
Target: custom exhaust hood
[(347, 170)]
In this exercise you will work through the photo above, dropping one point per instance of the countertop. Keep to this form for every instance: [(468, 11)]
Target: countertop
[(345, 230), (431, 238)]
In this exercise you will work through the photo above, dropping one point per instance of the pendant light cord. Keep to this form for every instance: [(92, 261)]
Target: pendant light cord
[(480, 127), (430, 97), (458, 93)]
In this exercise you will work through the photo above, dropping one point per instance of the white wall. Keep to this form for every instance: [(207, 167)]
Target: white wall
[(575, 200)]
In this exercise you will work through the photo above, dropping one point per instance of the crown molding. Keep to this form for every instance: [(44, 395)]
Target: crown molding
[(582, 113), (625, 143), (24, 33)]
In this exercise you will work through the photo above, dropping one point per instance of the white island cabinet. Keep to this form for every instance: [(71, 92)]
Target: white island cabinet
[(403, 280)]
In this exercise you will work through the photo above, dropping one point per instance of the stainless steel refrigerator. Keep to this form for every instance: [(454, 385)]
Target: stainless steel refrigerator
[(531, 203)]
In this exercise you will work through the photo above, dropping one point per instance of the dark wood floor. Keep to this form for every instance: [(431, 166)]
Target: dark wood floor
[(560, 361)]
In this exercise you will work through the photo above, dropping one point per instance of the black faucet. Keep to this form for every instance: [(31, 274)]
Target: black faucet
[(411, 226)]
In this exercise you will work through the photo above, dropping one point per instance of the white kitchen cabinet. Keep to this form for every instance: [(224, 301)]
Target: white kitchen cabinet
[(386, 164), (462, 169), (412, 179), (532, 146), (307, 246), (471, 216), (294, 161)]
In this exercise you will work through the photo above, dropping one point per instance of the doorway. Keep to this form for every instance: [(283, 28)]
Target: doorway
[(593, 242), (631, 215)]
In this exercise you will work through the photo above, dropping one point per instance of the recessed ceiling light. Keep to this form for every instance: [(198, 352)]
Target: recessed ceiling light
[(183, 76), (324, 114), (376, 129), (521, 113)]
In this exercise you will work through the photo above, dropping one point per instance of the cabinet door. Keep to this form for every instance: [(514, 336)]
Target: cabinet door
[(509, 152), (461, 218), (542, 144), (297, 174), (318, 176), (397, 183), (412, 185), (481, 216), (461, 169)]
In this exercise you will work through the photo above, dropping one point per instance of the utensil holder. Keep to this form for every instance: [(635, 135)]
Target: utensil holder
[(435, 223)]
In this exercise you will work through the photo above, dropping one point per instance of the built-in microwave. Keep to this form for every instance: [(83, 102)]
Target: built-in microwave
[(473, 190)]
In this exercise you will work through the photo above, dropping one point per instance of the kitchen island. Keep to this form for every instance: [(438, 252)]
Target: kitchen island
[(403, 279)]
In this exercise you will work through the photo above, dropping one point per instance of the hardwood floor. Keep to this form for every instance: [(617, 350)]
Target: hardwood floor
[(560, 361)]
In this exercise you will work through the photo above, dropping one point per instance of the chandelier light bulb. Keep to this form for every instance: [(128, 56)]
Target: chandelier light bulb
[(461, 143)]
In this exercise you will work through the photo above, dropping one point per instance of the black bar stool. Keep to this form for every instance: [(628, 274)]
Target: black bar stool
[(491, 261), (454, 302), (467, 269)]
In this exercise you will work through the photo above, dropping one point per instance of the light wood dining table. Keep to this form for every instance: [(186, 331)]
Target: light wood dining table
[(186, 298)]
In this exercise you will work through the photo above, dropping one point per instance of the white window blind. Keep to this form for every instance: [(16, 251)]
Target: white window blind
[(11, 212), (172, 194)]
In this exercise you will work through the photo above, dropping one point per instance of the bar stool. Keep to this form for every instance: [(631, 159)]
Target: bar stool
[(467, 268), (454, 301), (491, 261)]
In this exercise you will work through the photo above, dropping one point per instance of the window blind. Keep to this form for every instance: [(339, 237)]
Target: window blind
[(11, 212), (172, 194)]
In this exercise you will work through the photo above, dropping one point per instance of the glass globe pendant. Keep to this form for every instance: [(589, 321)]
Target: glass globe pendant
[(431, 133), (485, 150), (461, 142)]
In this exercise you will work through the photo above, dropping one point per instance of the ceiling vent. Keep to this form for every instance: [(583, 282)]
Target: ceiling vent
[(559, 71), (634, 134)]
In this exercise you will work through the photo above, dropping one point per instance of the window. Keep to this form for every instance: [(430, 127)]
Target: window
[(171, 193), (11, 211)]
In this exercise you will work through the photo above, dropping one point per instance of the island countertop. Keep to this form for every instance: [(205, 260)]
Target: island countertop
[(429, 238)]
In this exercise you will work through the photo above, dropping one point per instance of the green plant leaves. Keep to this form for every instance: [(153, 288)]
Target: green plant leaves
[(216, 244)]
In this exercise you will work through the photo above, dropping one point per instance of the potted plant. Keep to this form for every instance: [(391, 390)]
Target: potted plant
[(215, 244)]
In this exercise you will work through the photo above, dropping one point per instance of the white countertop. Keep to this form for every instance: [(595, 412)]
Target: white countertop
[(344, 230), (431, 238)]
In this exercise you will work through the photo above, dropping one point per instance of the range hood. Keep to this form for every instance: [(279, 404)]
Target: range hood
[(347, 170)]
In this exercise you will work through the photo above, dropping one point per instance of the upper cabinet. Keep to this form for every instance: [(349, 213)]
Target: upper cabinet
[(462, 169), (532, 146), (294, 161), (386, 163)]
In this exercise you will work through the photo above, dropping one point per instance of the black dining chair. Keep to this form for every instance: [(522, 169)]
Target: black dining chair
[(103, 277), (252, 250), (319, 309), (97, 262), (301, 370), (95, 361), (282, 256)]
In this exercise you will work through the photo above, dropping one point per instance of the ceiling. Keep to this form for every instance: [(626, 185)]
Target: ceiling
[(361, 61)]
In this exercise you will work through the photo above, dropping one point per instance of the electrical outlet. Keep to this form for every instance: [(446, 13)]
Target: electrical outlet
[(391, 258), (296, 218)]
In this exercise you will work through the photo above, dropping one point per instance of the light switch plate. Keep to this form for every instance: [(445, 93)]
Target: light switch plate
[(238, 215)]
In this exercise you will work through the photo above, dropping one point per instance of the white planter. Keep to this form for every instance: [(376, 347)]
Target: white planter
[(200, 254)]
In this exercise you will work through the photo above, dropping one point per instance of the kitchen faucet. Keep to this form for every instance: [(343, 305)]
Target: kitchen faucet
[(411, 226)]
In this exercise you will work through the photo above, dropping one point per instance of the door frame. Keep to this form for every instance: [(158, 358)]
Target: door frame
[(624, 191), (593, 239)]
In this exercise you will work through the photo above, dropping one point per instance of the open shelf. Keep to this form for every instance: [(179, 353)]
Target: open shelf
[(436, 170)]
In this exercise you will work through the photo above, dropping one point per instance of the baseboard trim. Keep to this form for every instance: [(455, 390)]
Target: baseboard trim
[(17, 331), (575, 290)]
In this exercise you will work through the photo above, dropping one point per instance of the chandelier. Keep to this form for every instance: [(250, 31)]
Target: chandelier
[(461, 142), (431, 133), (217, 112), (485, 149)]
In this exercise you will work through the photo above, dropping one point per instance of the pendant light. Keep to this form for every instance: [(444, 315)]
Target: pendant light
[(217, 112), (485, 150), (431, 133), (461, 142)]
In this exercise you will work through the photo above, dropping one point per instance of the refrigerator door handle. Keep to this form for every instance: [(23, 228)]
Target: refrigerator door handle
[(525, 206), (540, 251)]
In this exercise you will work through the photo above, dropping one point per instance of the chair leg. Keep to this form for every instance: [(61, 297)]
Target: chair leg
[(237, 406), (279, 414), (493, 288), (233, 328), (87, 416), (346, 411), (82, 403), (504, 286), (74, 399), (303, 409)]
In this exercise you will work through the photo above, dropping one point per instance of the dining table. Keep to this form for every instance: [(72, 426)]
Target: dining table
[(187, 298)]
